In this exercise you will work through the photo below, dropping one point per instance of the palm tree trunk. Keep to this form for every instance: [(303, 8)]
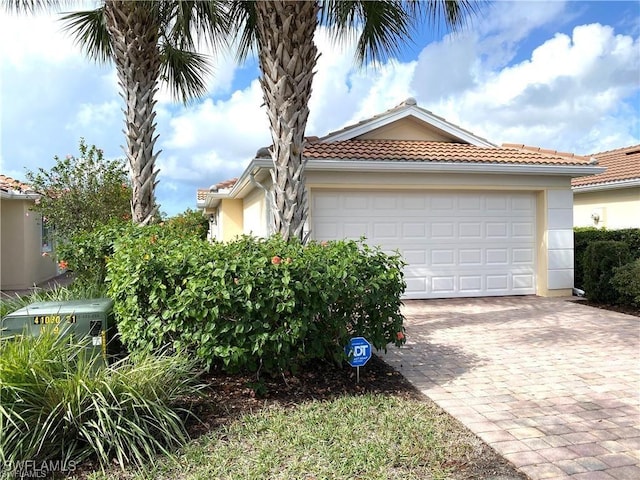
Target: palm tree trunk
[(288, 57), (134, 28)]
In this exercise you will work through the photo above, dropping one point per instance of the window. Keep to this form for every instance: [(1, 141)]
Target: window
[(47, 237)]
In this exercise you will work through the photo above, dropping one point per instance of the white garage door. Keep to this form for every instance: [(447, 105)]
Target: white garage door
[(456, 244)]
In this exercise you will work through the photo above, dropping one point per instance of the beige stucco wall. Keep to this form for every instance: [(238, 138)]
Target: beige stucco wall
[(406, 129), (231, 219), (255, 213), (617, 208), (21, 262)]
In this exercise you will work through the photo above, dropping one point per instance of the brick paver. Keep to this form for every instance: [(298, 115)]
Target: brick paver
[(552, 385)]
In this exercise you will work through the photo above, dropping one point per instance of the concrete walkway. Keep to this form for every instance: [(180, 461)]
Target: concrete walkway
[(551, 385)]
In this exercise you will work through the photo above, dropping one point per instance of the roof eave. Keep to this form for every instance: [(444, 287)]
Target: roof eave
[(596, 187), (244, 183), (452, 167), (12, 195)]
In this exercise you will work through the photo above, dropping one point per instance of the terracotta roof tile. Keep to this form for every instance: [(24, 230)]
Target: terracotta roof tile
[(622, 164), (201, 193), (226, 183), (11, 184), (428, 151)]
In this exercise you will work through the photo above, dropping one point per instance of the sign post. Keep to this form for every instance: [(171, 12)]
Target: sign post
[(358, 352)]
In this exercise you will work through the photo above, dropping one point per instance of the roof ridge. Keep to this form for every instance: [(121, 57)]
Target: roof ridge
[(545, 151), (630, 147)]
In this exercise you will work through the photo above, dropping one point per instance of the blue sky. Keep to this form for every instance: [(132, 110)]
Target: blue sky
[(559, 75)]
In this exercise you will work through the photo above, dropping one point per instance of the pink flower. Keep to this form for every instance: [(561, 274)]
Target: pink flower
[(400, 336), (276, 260)]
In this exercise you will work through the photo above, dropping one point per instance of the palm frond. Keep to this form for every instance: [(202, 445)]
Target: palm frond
[(386, 25), (90, 31), (190, 21), (33, 6), (184, 71), (244, 17)]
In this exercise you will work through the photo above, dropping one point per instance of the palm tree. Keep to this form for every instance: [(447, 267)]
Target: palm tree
[(148, 41), (283, 31)]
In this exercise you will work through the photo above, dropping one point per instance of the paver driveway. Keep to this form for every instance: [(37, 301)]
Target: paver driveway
[(551, 385)]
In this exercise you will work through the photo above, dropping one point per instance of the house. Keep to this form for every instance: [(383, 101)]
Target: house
[(469, 217), (26, 253), (610, 199)]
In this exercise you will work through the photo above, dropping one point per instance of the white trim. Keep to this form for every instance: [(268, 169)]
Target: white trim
[(213, 198), (408, 111), (632, 182), (13, 195), (453, 167)]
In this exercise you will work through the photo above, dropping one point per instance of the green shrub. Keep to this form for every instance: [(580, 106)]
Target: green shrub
[(57, 405), (87, 254), (262, 305), (601, 258), (584, 236), (626, 281)]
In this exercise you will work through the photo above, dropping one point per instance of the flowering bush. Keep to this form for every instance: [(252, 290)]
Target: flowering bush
[(256, 304)]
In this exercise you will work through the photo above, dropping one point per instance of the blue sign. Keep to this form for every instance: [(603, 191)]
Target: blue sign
[(358, 351)]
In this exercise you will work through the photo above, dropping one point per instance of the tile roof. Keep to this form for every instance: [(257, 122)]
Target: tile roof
[(430, 151), (9, 184), (201, 193), (622, 164)]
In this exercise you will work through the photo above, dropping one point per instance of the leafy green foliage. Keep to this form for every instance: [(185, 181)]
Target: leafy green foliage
[(87, 253), (82, 193), (262, 305), (583, 237), (601, 258), (626, 281), (58, 404)]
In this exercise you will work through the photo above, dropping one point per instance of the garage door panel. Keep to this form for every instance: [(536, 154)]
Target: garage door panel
[(455, 244), (443, 231)]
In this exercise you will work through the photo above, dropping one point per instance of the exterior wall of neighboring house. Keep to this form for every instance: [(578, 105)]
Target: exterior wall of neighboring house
[(612, 208), (23, 264), (255, 214), (231, 219)]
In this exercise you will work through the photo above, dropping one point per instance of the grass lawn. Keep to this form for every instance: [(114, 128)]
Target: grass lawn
[(321, 425), (370, 436)]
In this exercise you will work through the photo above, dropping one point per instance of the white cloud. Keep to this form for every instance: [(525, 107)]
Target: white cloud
[(38, 38), (571, 87)]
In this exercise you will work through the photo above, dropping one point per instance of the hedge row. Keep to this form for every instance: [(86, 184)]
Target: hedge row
[(583, 237), (253, 304)]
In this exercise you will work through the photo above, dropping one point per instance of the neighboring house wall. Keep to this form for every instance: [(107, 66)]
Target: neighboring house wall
[(613, 208), (255, 216), (23, 264), (230, 217)]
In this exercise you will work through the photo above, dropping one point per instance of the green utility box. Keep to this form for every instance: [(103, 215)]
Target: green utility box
[(79, 318)]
